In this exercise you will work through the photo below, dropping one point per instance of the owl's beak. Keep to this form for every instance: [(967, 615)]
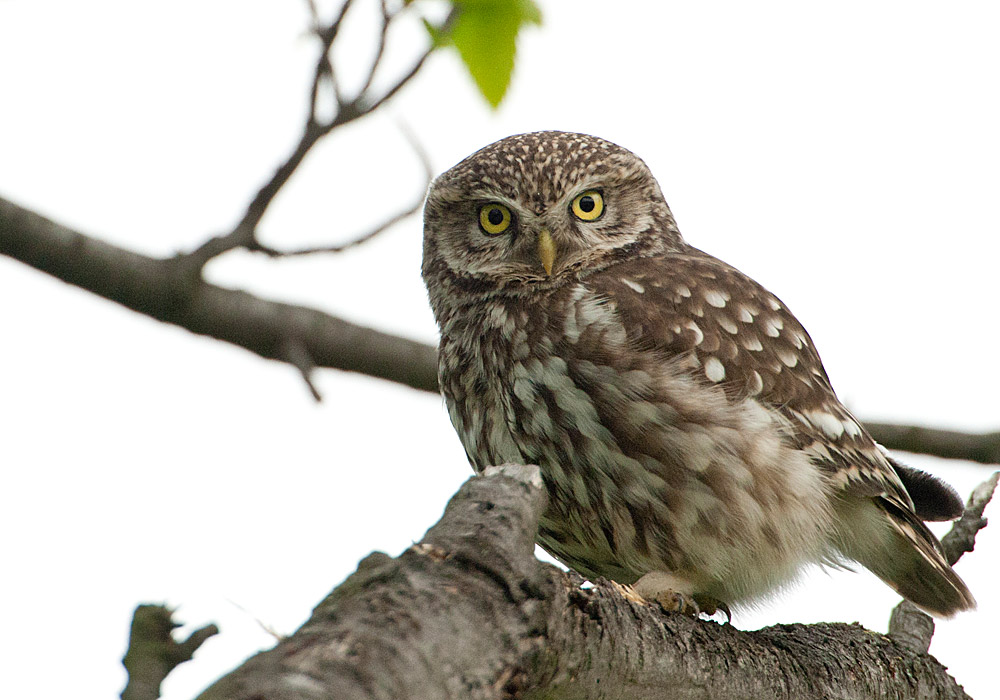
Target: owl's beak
[(546, 250)]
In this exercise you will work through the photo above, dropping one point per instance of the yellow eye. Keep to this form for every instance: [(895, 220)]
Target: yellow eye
[(588, 206), (494, 219)]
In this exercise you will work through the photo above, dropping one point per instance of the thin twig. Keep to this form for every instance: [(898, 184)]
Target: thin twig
[(372, 233), (324, 64), (267, 629), (244, 235), (296, 353), (962, 536), (387, 18), (314, 16), (371, 107)]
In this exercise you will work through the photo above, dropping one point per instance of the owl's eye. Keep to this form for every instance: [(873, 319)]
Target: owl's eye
[(588, 206), (494, 219)]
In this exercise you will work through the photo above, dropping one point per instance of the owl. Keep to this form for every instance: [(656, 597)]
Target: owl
[(688, 436)]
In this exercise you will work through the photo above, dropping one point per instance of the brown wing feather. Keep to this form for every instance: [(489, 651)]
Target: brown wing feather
[(744, 338)]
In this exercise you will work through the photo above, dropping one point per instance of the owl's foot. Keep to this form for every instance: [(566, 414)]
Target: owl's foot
[(669, 600), (673, 594)]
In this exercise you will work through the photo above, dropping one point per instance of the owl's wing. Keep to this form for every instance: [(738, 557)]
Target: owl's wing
[(739, 336), (746, 341)]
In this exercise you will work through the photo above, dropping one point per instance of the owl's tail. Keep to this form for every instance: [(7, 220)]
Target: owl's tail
[(890, 541)]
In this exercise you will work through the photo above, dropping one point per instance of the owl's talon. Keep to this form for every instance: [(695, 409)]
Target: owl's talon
[(673, 601), (668, 600), (710, 606)]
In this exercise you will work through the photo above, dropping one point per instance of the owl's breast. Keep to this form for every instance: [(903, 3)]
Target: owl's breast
[(478, 355), (648, 464), (546, 380)]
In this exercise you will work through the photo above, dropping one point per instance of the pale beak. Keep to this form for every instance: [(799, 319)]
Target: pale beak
[(546, 250)]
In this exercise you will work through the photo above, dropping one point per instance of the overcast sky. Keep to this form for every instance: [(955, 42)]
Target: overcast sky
[(845, 155)]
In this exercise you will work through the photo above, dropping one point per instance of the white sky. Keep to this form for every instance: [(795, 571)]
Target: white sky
[(843, 154)]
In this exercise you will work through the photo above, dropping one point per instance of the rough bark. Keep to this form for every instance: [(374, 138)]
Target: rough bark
[(469, 612)]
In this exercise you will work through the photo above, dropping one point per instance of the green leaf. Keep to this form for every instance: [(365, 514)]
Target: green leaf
[(485, 35)]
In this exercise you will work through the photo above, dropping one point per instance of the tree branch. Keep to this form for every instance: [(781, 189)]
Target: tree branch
[(153, 652), (244, 234), (469, 612), (950, 444), (167, 291), (425, 162), (162, 289), (908, 624)]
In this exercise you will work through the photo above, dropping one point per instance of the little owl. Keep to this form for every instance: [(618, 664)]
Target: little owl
[(687, 433)]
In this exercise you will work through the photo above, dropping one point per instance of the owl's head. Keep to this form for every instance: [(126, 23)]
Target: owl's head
[(538, 210)]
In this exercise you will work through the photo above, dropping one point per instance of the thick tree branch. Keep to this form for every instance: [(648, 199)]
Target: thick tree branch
[(157, 288), (470, 613)]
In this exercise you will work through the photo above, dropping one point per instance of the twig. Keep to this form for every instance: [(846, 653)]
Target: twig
[(324, 65), (266, 628), (909, 625), (387, 18), (962, 536), (295, 352), (372, 233), (153, 652), (244, 234)]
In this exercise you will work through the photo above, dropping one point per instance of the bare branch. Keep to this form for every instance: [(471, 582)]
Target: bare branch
[(164, 290), (445, 28), (324, 65), (908, 624), (371, 107), (153, 652), (950, 444), (962, 536), (244, 234), (384, 226), (387, 18)]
